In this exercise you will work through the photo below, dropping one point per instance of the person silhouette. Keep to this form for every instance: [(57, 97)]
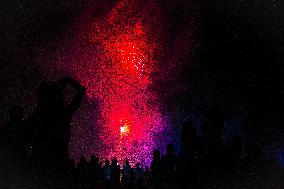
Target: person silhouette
[(71, 168), (115, 173), (126, 171), (212, 145), (71, 174), (213, 154), (187, 161), (107, 174), (170, 160), (138, 175), (83, 171), (156, 167), (93, 170), (48, 127), (94, 166)]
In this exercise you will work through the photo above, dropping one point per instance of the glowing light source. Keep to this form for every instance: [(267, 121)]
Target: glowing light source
[(122, 129)]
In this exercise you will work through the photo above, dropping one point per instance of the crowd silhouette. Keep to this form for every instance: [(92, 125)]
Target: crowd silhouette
[(39, 146)]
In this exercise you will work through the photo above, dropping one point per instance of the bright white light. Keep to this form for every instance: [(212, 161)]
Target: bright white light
[(122, 129)]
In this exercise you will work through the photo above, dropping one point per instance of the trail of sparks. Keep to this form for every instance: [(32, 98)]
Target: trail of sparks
[(114, 60)]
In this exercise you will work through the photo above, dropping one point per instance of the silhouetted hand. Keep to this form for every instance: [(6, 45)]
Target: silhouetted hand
[(72, 82)]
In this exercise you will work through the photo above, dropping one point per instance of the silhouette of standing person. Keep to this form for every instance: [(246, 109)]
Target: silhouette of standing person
[(213, 154), (107, 174), (212, 145), (156, 167), (187, 160), (126, 174), (49, 125), (138, 176), (168, 161), (93, 176), (115, 173), (83, 171)]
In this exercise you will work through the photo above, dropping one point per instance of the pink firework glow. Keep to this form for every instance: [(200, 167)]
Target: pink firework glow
[(114, 57)]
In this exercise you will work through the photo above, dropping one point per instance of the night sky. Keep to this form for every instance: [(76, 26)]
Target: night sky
[(227, 54)]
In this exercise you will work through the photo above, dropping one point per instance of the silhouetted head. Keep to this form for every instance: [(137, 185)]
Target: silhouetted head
[(127, 162), (146, 169), (49, 97), (156, 155), (107, 162), (83, 159), (137, 165), (16, 113), (170, 150), (94, 158), (114, 162)]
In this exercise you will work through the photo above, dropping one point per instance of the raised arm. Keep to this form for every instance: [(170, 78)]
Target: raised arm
[(78, 97)]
